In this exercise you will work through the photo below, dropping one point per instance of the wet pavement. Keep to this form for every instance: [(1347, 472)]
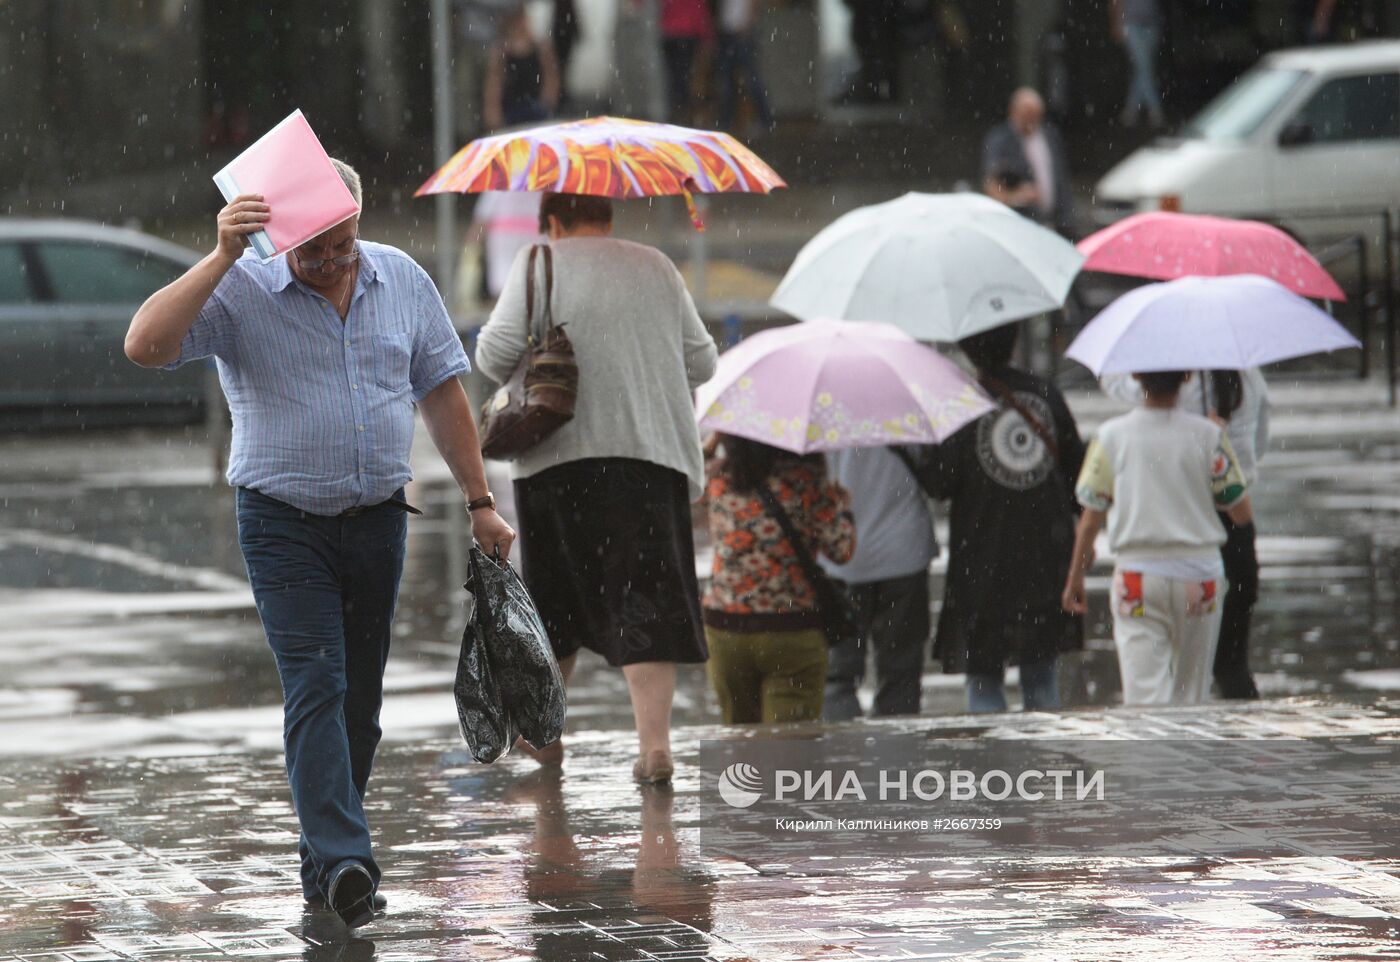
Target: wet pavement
[(125, 618), (192, 857), (143, 809)]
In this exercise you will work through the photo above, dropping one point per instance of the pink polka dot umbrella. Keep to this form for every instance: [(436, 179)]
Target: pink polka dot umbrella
[(1163, 246)]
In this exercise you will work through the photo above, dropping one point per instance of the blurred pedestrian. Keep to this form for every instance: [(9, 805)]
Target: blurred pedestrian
[(604, 503), (1009, 479), (1024, 164), (768, 654), (886, 579), (505, 222), (522, 75), (1318, 20), (737, 55), (875, 33), (1239, 401), (564, 34), (1137, 26), (686, 26), (1160, 477), (323, 420)]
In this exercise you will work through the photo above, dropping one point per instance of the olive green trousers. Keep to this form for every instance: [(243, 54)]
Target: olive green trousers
[(767, 676)]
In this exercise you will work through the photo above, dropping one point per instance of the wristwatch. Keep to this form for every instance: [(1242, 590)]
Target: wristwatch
[(487, 500)]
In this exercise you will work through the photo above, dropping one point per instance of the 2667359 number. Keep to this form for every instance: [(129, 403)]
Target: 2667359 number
[(966, 824)]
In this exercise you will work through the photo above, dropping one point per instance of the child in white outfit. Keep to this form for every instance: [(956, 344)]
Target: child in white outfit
[(1158, 476)]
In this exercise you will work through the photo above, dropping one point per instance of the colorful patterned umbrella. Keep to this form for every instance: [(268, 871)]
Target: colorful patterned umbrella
[(1164, 245), (826, 385), (606, 157)]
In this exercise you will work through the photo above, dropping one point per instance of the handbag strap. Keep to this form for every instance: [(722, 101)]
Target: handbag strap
[(815, 576), (547, 313), (1006, 396)]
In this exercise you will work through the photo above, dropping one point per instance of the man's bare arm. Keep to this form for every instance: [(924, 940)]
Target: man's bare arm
[(1074, 599), (161, 323), (1241, 512), (450, 424)]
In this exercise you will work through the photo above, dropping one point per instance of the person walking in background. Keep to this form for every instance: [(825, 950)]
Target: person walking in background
[(522, 75), (1137, 26), (505, 222), (1009, 478), (1024, 164), (737, 55), (323, 420), (887, 581), (564, 34), (685, 26), (604, 502), (1318, 20), (875, 27), (1239, 401), (768, 653), (1160, 476)]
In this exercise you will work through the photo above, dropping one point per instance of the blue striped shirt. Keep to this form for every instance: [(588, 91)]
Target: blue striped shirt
[(323, 410)]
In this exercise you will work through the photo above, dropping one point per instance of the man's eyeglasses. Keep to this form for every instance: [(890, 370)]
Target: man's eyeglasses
[(344, 260)]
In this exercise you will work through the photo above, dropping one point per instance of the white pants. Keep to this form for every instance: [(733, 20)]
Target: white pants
[(1165, 632)]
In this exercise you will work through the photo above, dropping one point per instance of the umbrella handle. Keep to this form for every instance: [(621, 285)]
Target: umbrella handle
[(690, 207)]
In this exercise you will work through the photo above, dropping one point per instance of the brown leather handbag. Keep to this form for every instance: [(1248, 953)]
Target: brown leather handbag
[(538, 398)]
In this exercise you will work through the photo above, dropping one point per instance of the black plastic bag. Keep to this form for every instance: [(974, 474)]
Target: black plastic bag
[(508, 681), (485, 725)]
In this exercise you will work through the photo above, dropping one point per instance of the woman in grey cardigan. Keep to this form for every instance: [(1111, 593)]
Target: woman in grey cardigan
[(604, 503)]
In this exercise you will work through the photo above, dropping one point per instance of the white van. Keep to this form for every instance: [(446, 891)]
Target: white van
[(1308, 139)]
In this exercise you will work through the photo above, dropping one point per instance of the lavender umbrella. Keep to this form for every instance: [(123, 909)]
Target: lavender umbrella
[(825, 385), (1202, 323)]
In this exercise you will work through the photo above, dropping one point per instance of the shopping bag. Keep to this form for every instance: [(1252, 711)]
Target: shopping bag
[(485, 725), (509, 680)]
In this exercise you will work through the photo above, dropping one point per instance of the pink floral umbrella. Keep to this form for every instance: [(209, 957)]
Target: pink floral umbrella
[(826, 385), (1163, 245)]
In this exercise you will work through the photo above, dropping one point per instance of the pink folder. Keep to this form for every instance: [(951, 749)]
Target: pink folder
[(290, 168)]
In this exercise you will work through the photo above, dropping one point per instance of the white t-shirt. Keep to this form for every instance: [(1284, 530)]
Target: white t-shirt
[(1161, 475), (1248, 426), (894, 530), (511, 222)]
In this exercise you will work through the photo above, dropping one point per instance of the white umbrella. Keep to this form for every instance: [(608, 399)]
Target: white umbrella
[(1198, 323), (940, 266)]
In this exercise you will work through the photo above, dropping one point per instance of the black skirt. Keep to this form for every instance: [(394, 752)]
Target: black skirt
[(607, 552)]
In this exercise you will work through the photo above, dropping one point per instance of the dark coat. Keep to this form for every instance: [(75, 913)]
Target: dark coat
[(1011, 532), (1004, 159)]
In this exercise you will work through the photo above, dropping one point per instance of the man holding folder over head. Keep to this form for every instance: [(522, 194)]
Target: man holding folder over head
[(323, 352)]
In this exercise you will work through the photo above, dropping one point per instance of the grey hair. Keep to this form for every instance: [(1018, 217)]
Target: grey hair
[(351, 178)]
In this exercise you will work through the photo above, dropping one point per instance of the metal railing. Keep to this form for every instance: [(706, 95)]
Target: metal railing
[(1372, 290)]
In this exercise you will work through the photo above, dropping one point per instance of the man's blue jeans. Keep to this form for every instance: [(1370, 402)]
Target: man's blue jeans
[(1143, 93), (1039, 688), (325, 588)]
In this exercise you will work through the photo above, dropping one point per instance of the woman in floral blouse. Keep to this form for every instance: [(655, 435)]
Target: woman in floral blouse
[(767, 651)]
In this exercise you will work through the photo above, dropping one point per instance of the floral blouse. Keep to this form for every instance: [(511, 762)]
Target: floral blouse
[(757, 583)]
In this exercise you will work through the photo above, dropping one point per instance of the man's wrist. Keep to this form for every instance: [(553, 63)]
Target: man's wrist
[(486, 501)]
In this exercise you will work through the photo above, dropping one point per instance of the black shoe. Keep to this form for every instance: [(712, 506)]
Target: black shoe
[(351, 895), (380, 902)]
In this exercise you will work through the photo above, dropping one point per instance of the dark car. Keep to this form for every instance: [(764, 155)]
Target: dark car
[(67, 292)]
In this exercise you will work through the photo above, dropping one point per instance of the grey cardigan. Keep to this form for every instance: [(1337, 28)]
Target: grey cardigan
[(641, 350)]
